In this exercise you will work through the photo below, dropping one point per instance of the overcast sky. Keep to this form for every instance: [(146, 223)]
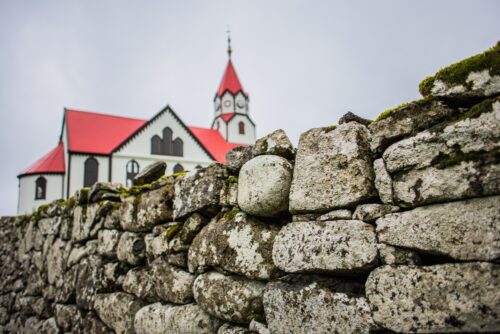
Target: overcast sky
[(304, 63)]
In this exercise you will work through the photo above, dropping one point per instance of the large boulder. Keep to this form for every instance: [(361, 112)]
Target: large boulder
[(186, 319), (199, 190), (332, 169), (305, 305), (444, 298), (471, 78), (264, 184), (465, 230), (340, 246), (275, 143), (117, 310), (239, 244), (172, 284), (232, 298)]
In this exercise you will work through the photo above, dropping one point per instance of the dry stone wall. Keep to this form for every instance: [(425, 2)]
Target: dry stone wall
[(390, 226)]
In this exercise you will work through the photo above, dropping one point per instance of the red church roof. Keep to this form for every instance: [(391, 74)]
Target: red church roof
[(227, 117), (213, 142), (52, 162), (230, 81), (90, 132)]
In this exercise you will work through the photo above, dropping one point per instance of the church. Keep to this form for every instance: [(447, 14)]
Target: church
[(96, 147)]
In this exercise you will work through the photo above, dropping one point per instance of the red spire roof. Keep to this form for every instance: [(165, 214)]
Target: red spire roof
[(230, 81), (52, 162), (213, 142), (90, 132)]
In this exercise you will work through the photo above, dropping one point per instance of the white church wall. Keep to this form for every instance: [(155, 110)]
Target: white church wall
[(27, 186), (217, 106), (77, 166), (233, 131), (66, 157), (222, 127)]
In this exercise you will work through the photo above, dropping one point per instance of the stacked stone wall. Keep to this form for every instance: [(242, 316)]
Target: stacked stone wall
[(390, 226)]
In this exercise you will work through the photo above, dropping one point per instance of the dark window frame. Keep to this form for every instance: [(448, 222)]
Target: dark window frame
[(178, 147), (178, 168), (41, 183), (156, 145), (90, 172), (131, 174), (241, 128)]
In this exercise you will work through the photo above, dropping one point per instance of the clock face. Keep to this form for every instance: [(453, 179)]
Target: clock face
[(227, 103), (240, 104)]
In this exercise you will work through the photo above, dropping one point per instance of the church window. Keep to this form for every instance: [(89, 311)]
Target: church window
[(90, 172), (178, 147), (198, 166), (156, 145), (241, 128), (178, 168), (40, 188), (132, 171), (167, 141)]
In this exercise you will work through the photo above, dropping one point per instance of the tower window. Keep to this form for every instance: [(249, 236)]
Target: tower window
[(132, 171), (156, 144), (178, 168), (178, 147), (40, 188), (91, 169), (241, 128)]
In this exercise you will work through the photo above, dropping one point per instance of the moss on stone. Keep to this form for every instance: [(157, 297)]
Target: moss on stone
[(478, 109), (458, 157), (231, 214), (231, 179), (172, 231), (389, 112), (456, 74), (176, 175)]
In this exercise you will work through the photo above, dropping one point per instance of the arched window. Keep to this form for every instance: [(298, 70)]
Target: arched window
[(241, 128), (40, 188), (132, 171), (167, 141), (198, 166), (178, 147), (156, 145), (90, 172), (178, 168)]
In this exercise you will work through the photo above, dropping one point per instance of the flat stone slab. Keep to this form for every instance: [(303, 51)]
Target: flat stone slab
[(239, 244), (332, 169), (339, 246), (264, 184), (150, 173), (446, 298), (317, 305), (231, 298), (464, 230)]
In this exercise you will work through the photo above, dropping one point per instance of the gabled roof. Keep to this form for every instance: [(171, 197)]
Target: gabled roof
[(214, 142), (50, 163), (230, 81), (90, 132)]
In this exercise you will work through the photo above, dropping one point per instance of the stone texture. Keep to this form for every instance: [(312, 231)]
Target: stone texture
[(172, 284), (78, 253), (351, 117), (107, 242), (339, 246), (370, 212), (186, 319), (191, 227), (383, 182), (443, 298), (67, 316), (275, 143), (465, 230), (228, 328), (150, 173), (150, 208), (117, 310), (83, 222), (397, 256), (131, 248), (199, 190), (317, 305), (258, 327), (49, 326), (88, 281), (101, 191), (239, 244), (336, 215), (237, 157), (57, 261), (407, 120), (231, 298), (229, 193), (139, 282), (332, 169), (264, 184)]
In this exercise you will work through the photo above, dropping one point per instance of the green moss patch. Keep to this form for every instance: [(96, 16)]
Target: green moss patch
[(417, 103), (456, 74)]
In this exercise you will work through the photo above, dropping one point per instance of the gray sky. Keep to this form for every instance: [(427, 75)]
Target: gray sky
[(304, 63)]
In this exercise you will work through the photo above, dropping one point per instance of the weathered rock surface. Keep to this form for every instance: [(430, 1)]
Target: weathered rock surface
[(229, 193), (83, 222), (237, 157), (464, 230), (107, 242), (228, 328), (443, 298), (405, 121), (258, 327), (67, 316), (150, 173), (397, 256), (317, 305), (275, 143), (92, 324), (78, 253), (339, 246), (239, 244), (131, 248), (351, 117), (232, 298), (186, 319), (383, 182), (139, 282), (152, 209), (191, 227), (264, 184), (370, 212), (172, 284), (101, 191), (117, 310), (332, 169), (336, 215), (57, 261), (433, 185), (199, 190)]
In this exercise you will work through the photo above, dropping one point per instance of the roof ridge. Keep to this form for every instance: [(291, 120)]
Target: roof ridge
[(104, 114)]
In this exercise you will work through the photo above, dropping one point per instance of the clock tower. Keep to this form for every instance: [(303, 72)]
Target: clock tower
[(232, 118)]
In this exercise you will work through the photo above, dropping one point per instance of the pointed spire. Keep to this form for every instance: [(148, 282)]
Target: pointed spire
[(229, 50), (230, 81)]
